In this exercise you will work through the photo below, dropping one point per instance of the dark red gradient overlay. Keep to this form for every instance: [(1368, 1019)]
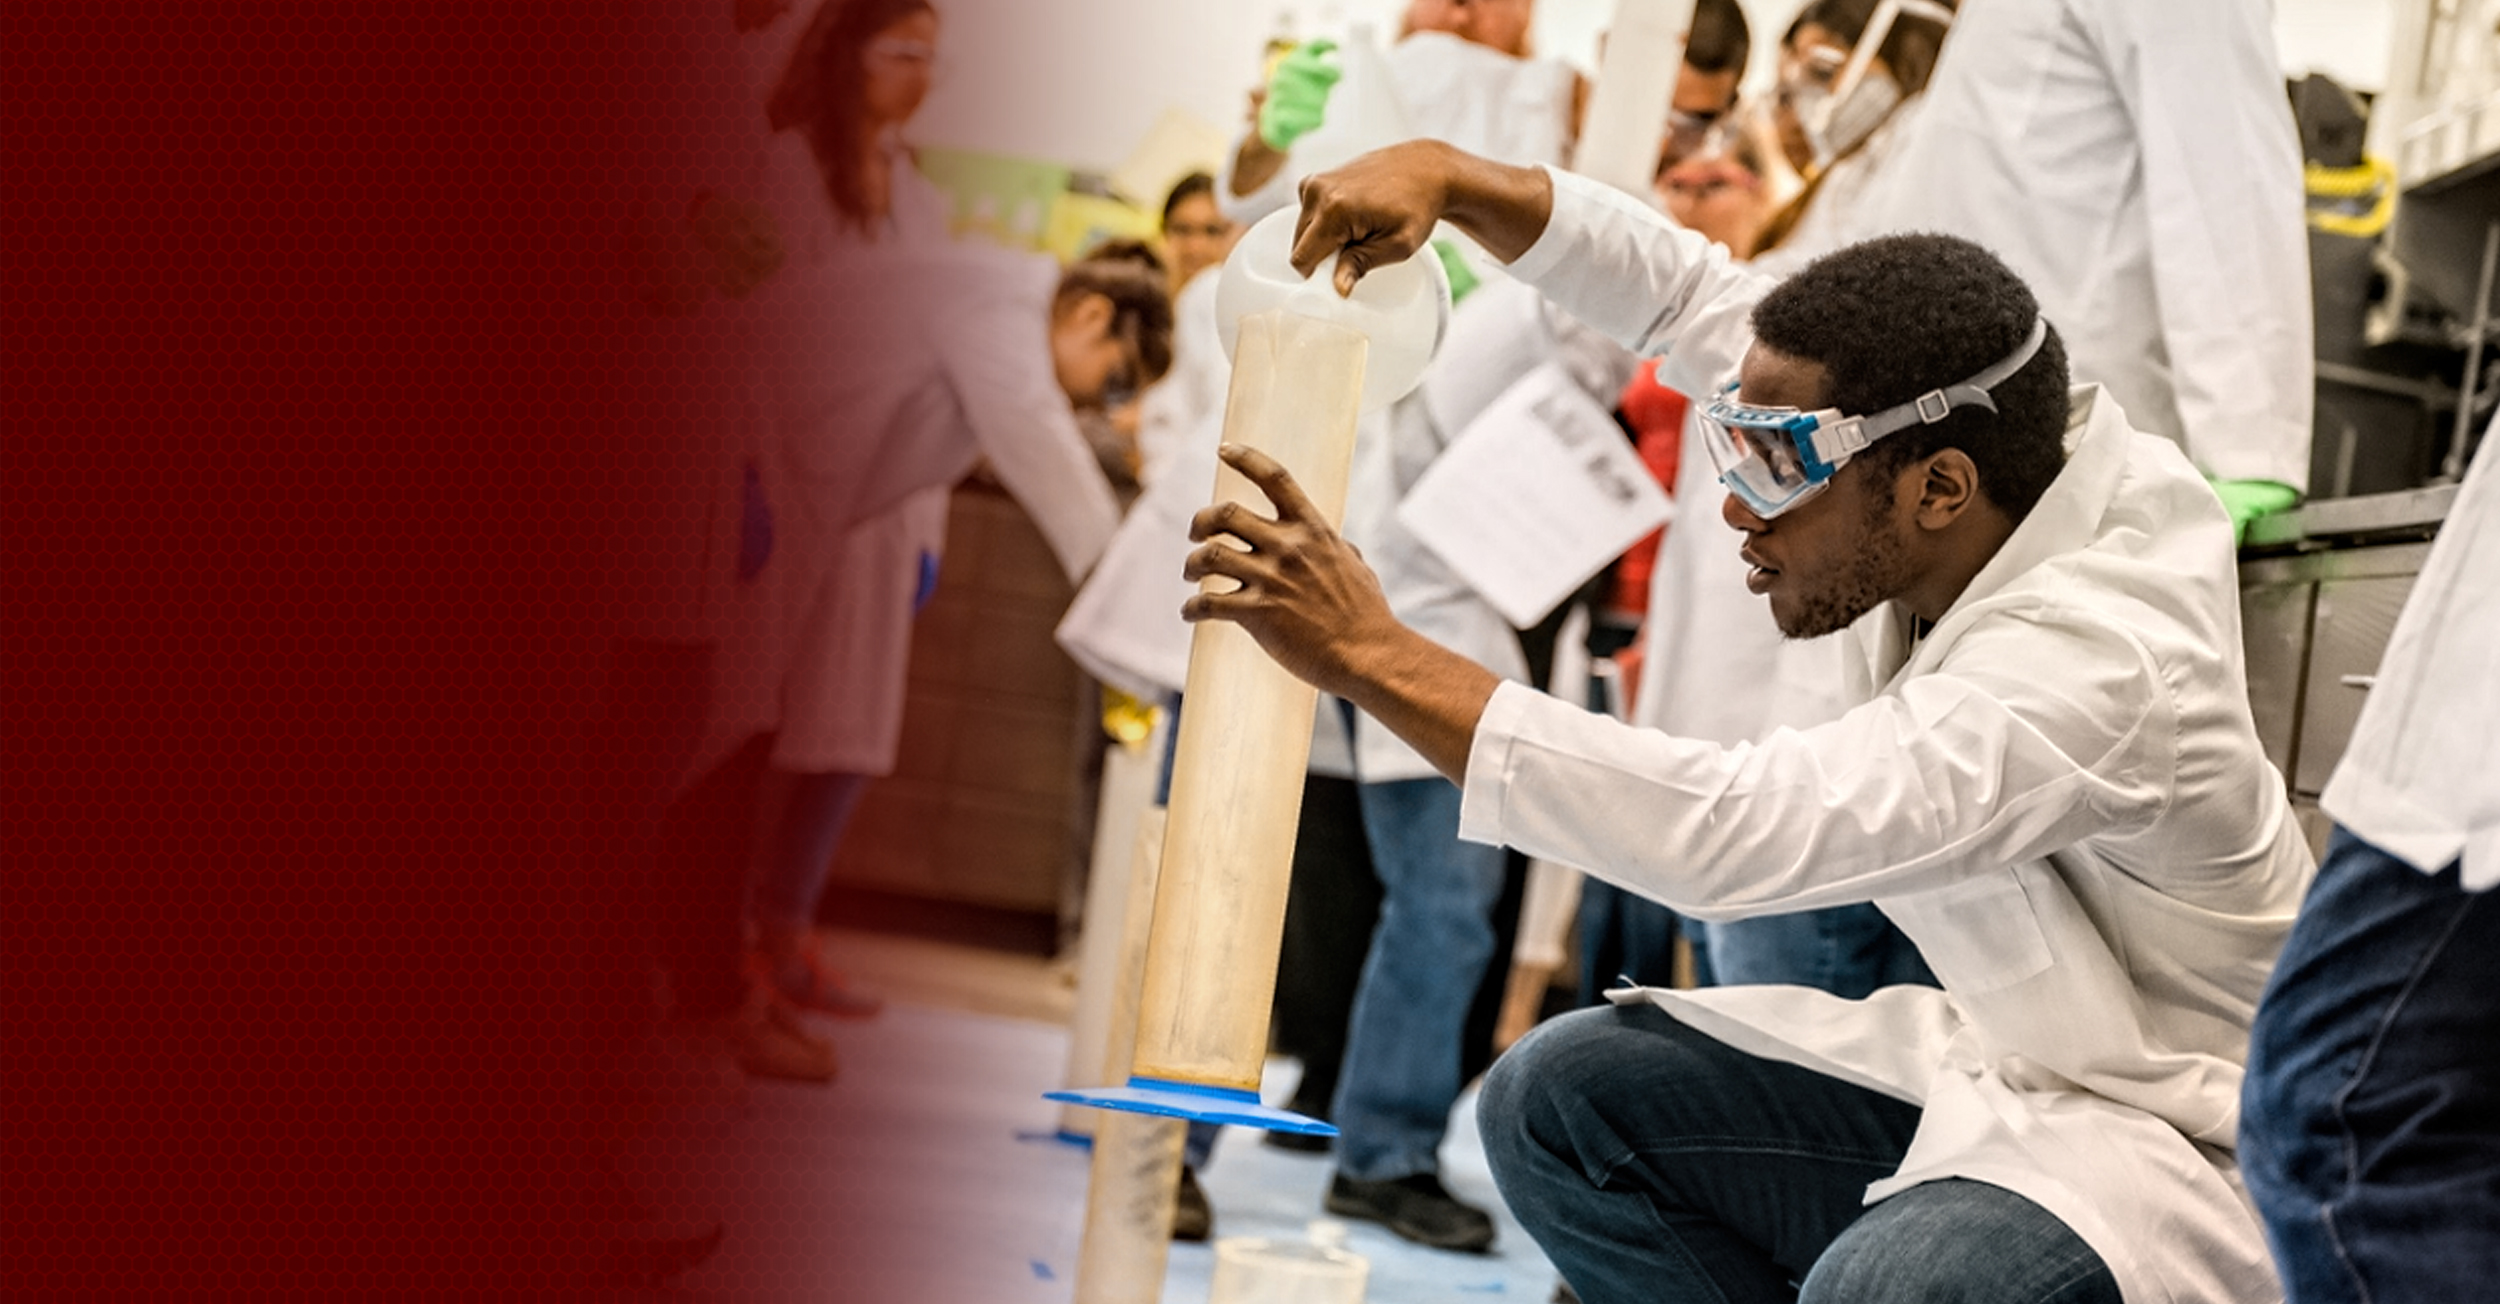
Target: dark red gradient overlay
[(324, 429)]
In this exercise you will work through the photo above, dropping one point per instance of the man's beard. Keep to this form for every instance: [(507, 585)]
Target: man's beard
[(1878, 571)]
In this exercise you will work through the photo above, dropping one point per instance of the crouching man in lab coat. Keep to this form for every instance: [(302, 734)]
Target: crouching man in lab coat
[(2052, 784)]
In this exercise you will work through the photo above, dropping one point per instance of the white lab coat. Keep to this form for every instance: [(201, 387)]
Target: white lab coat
[(673, 576), (843, 701), (1486, 102), (2136, 162), (1510, 109), (2416, 781), (940, 358), (2058, 794), (1179, 406)]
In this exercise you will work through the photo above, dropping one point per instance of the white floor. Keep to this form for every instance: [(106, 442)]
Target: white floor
[(926, 1174)]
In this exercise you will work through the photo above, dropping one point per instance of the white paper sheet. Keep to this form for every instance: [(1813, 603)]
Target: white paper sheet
[(1536, 495)]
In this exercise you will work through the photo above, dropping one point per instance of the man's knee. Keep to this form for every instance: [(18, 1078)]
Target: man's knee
[(1959, 1242), (1550, 1088)]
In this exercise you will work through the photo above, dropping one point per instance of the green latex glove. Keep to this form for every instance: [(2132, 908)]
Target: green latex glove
[(1297, 95), (2246, 500), (1463, 280)]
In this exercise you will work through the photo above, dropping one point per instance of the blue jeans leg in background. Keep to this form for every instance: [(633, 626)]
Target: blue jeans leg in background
[(1848, 951), (2370, 1116), (1624, 935), (1652, 1162), (1435, 937), (1199, 1147)]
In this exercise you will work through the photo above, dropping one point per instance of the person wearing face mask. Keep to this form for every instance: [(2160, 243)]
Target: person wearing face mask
[(2137, 163), (1851, 72)]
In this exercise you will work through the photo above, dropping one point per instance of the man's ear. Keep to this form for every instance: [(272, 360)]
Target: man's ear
[(1947, 485)]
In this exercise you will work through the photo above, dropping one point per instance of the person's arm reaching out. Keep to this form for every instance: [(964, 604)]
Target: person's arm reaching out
[(1601, 256), (1985, 763)]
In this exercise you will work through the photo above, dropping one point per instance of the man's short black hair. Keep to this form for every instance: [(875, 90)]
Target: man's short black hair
[(1894, 317), (1721, 41)]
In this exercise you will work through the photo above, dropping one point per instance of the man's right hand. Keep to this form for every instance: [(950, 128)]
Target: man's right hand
[(1381, 208)]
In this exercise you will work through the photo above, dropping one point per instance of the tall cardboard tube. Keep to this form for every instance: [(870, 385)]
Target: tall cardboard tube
[(1130, 1196), (1627, 114), (1245, 738), (1111, 904)]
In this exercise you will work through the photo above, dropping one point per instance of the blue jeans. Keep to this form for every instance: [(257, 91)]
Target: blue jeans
[(1848, 951), (1653, 1163), (2370, 1116), (1429, 952), (1627, 935)]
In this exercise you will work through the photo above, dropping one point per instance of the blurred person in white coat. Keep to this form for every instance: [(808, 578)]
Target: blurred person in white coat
[(2370, 1122), (857, 75), (2052, 783), (939, 356), (2135, 161)]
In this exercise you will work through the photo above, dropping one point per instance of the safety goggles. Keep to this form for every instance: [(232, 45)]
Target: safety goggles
[(1773, 458)]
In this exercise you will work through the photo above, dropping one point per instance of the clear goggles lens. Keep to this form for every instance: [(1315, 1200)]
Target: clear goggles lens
[(1777, 457), (1758, 456)]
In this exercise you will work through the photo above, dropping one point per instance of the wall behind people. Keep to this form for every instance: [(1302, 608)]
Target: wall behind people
[(1079, 81)]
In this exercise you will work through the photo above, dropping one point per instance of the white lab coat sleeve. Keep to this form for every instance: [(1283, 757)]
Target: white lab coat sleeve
[(999, 366), (2036, 732), (2415, 781), (1279, 191), (2230, 251), (1650, 285)]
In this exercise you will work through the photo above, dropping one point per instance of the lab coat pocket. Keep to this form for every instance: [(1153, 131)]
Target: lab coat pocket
[(1979, 935)]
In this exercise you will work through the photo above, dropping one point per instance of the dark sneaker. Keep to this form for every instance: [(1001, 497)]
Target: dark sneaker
[(1418, 1208), (1193, 1219)]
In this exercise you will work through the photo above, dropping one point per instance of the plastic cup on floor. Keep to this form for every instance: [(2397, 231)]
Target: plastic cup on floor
[(1262, 1270)]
